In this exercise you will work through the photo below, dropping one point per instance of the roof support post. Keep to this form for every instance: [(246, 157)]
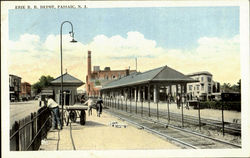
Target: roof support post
[(170, 91), (157, 100), (177, 96), (135, 100), (155, 93), (148, 99), (182, 102), (130, 99), (144, 93), (168, 101), (135, 94), (139, 93)]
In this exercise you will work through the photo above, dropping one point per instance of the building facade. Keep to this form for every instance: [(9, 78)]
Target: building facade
[(97, 78), (14, 87), (25, 90), (204, 88)]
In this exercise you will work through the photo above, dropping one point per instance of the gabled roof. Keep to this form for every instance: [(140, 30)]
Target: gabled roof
[(161, 74), (67, 79)]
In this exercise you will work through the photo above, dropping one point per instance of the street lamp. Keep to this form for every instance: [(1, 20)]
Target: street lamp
[(71, 33)]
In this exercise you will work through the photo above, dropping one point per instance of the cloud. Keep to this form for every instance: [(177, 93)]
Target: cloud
[(29, 57)]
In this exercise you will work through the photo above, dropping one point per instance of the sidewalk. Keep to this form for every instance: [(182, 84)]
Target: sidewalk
[(98, 134)]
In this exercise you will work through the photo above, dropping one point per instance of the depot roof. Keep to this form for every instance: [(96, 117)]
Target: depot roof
[(67, 80), (161, 74)]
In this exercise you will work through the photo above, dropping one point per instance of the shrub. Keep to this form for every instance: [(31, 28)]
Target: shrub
[(229, 105)]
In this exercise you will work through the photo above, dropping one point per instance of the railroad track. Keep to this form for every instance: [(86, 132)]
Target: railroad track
[(182, 137), (231, 128)]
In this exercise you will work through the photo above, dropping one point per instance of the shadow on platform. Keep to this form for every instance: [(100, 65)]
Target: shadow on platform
[(93, 123), (78, 126)]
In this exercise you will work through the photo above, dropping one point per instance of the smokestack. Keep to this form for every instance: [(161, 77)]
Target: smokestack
[(89, 64)]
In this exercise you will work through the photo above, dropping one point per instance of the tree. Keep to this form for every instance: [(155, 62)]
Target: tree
[(237, 87), (226, 87), (43, 82)]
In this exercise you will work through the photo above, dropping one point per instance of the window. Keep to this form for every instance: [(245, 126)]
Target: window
[(190, 87), (198, 87), (202, 87), (209, 89), (201, 79), (209, 79)]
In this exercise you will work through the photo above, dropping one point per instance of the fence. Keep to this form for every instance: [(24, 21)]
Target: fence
[(26, 134), (114, 103)]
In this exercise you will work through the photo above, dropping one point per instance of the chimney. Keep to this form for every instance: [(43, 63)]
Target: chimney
[(89, 64)]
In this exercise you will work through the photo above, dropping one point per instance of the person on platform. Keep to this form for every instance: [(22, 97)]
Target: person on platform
[(55, 112), (178, 101), (82, 99), (90, 104), (99, 106)]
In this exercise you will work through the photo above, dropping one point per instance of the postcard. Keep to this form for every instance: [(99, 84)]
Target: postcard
[(125, 78)]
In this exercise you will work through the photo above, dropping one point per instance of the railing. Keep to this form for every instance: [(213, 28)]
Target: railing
[(114, 103), (27, 134)]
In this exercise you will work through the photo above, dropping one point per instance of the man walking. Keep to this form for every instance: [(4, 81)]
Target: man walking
[(90, 103), (99, 106)]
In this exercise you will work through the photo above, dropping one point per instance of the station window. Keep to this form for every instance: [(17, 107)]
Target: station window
[(209, 89), (202, 87), (209, 79), (190, 87), (198, 87)]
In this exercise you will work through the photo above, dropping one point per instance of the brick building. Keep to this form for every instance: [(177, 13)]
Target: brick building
[(14, 87), (25, 90), (97, 78)]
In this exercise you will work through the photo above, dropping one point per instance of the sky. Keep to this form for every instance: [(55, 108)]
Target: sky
[(188, 39)]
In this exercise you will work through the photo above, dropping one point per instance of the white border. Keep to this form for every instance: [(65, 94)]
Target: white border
[(244, 46)]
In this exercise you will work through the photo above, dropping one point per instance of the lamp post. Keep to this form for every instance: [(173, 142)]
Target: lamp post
[(73, 41)]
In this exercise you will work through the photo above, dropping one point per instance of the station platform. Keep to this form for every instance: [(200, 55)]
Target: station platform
[(99, 134)]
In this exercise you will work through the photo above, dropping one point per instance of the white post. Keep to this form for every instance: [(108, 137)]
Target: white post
[(155, 93)]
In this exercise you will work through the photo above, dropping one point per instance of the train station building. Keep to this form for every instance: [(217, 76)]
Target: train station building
[(70, 85), (154, 85)]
